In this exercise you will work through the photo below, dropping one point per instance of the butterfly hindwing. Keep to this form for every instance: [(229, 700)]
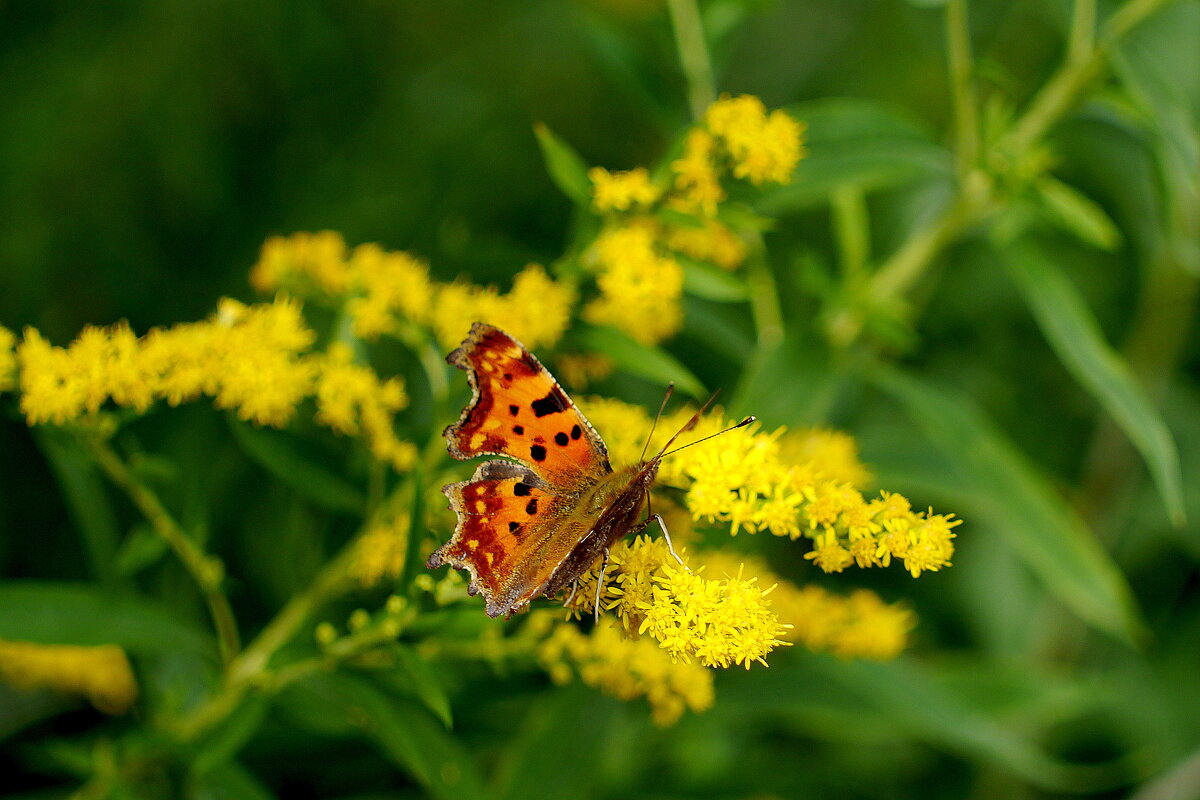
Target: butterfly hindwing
[(513, 531), (519, 410)]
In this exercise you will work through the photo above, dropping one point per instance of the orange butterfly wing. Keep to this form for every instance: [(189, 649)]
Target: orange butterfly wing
[(519, 410), (517, 523), (513, 532)]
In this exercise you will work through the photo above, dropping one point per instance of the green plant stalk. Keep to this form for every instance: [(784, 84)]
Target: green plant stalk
[(977, 196), (205, 570), (966, 120), (250, 668), (693, 55), (1083, 31), (764, 299)]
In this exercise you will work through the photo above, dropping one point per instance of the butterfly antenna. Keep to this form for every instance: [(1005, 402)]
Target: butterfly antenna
[(691, 423), (657, 417), (741, 424)]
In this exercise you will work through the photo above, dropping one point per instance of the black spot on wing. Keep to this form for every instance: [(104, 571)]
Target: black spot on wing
[(553, 403), (561, 439), (537, 453), (514, 410), (519, 430), (531, 507), (512, 526), (576, 432), (522, 489)]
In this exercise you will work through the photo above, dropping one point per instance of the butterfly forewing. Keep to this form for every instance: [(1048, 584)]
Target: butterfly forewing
[(519, 410)]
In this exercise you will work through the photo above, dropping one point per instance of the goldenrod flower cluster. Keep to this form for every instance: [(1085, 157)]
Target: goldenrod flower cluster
[(719, 622), (382, 291), (858, 626), (744, 480), (102, 673), (381, 550), (8, 360), (353, 401), (627, 669), (635, 257), (252, 360), (761, 147), (622, 191), (640, 288)]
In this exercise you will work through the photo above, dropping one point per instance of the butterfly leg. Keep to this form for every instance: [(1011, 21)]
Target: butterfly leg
[(570, 597), (600, 584), (667, 536)]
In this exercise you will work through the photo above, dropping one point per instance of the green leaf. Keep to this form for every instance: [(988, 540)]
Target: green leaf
[(415, 676), (276, 453), (566, 168), (552, 753), (712, 283), (408, 736), (859, 143), (643, 360), (83, 490), (1073, 332), (1020, 505), (789, 384), (1077, 213), (227, 781), (223, 743), (64, 613), (141, 548)]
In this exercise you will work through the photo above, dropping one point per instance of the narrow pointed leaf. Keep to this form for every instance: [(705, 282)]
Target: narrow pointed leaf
[(1075, 335), (1020, 505), (566, 168)]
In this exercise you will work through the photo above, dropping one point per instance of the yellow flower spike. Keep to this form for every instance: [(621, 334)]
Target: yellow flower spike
[(640, 287), (622, 191), (698, 188), (380, 552), (457, 305), (627, 669), (352, 400), (712, 241), (290, 261), (393, 285), (8, 359), (763, 148), (100, 673)]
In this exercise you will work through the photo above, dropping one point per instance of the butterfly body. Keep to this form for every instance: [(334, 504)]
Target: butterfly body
[(530, 527)]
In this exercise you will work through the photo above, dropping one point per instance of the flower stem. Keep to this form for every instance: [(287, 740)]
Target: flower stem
[(958, 52), (250, 668), (693, 55), (207, 571)]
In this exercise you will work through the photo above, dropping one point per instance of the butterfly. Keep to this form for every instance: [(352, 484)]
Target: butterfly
[(531, 527)]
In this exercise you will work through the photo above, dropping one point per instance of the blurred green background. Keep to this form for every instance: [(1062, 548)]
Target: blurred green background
[(148, 148)]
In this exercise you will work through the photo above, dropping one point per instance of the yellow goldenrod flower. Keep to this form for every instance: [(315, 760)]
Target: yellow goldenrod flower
[(622, 191), (8, 359), (858, 626), (800, 484), (627, 669), (697, 186), (762, 147), (352, 401), (102, 673), (302, 260), (394, 285), (712, 241), (577, 370), (536, 311), (719, 622), (255, 357), (640, 288)]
